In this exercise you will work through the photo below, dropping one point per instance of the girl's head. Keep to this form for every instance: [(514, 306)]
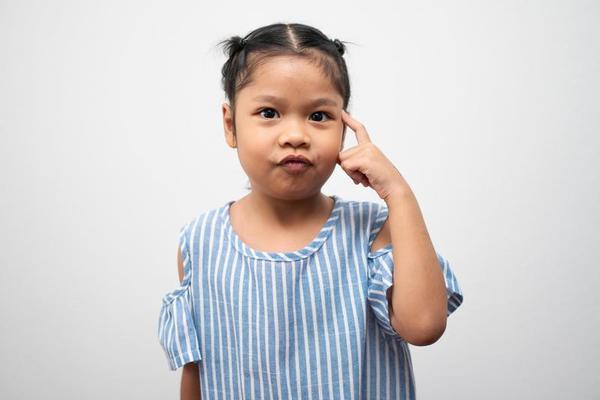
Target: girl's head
[(286, 85)]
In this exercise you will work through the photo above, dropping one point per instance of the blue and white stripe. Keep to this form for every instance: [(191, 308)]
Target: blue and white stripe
[(312, 323)]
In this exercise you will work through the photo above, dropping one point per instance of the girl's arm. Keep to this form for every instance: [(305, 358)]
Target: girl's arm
[(190, 382), (418, 298), (190, 379)]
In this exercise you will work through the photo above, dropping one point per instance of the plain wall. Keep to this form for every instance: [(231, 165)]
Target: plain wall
[(112, 139)]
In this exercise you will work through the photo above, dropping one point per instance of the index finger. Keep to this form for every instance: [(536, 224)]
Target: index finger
[(359, 129)]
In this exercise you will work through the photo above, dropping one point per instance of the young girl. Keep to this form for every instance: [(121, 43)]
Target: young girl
[(288, 293)]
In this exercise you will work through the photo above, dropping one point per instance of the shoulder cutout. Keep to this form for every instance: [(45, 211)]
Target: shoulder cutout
[(383, 237), (179, 264)]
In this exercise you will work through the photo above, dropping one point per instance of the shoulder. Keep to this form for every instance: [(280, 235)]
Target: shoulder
[(380, 229), (205, 220), (363, 213), (370, 217)]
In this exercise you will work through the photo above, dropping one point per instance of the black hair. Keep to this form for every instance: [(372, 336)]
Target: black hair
[(245, 54)]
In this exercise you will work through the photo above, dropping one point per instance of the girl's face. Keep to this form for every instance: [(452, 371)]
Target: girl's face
[(290, 108)]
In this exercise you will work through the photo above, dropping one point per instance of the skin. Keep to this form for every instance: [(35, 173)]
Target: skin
[(288, 210)]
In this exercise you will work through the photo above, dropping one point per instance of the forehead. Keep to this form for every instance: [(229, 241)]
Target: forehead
[(290, 78)]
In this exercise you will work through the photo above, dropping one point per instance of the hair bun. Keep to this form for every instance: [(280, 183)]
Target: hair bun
[(340, 46), (235, 45)]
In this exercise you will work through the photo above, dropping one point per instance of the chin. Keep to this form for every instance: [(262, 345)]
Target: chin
[(293, 193)]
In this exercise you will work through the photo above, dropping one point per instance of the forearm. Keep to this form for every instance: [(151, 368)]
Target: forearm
[(419, 301), (190, 382)]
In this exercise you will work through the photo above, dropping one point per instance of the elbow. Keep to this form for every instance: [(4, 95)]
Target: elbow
[(425, 333), (430, 331)]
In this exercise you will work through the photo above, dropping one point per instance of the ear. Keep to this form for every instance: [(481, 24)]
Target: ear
[(228, 125)]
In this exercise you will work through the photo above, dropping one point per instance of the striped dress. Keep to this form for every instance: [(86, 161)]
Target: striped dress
[(309, 324)]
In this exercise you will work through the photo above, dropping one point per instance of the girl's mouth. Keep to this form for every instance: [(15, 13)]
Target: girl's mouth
[(295, 166)]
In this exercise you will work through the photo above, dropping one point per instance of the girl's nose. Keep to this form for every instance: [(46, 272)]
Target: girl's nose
[(294, 135)]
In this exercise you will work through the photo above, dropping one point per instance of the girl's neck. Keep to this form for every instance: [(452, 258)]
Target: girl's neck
[(284, 212)]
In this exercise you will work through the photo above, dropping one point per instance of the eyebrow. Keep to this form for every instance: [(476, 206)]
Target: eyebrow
[(317, 102)]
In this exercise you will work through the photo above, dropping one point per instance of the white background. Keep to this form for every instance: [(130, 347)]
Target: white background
[(112, 139)]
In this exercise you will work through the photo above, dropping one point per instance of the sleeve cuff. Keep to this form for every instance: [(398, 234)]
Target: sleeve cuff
[(380, 280), (177, 332)]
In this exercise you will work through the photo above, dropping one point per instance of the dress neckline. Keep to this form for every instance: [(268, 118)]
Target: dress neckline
[(304, 252)]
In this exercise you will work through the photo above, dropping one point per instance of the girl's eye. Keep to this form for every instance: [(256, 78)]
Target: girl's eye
[(269, 114), (269, 110), (322, 113)]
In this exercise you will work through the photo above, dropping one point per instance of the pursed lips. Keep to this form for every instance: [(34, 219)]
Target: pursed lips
[(293, 159), (295, 165)]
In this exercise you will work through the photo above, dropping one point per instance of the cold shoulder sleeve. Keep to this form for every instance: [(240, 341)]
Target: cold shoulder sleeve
[(176, 328), (381, 267)]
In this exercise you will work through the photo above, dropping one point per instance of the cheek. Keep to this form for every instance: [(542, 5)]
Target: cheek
[(331, 145), (253, 153), (332, 153)]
